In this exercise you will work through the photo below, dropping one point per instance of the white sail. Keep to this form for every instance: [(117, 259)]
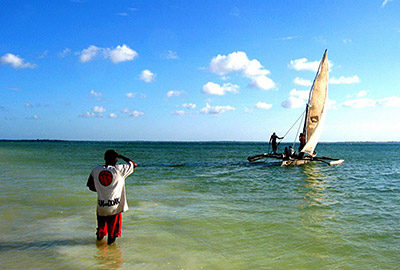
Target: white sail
[(316, 109)]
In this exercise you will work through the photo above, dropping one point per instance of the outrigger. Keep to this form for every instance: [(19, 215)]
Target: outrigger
[(315, 113)]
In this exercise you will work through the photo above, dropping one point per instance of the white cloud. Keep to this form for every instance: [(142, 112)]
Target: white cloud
[(180, 112), (125, 110), (96, 94), (393, 102), (359, 103), (117, 55), (173, 93), (385, 2), (15, 61), (303, 64), (262, 82), (98, 109), (89, 53), (65, 52), (189, 105), (87, 115), (121, 54), (344, 80), (216, 109), (130, 95), (147, 76), (297, 99), (215, 89), (362, 93), (238, 62), (263, 105), (302, 82), (287, 38), (136, 114), (28, 105), (113, 115), (170, 55)]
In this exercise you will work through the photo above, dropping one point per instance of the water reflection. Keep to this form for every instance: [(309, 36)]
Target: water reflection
[(315, 189), (109, 256)]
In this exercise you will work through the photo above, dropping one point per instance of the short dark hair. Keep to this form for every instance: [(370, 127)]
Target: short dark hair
[(110, 155)]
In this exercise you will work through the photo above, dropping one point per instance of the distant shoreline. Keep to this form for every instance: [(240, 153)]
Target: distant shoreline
[(150, 141)]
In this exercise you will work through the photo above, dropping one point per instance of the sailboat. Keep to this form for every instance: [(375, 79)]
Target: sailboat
[(314, 119)]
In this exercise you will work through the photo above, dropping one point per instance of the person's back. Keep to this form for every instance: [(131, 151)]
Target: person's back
[(109, 183)]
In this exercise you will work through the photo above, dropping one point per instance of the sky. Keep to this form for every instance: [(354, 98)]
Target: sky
[(196, 70)]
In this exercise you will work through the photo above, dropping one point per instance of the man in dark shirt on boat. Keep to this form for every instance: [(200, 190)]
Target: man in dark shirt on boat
[(272, 141), (302, 139)]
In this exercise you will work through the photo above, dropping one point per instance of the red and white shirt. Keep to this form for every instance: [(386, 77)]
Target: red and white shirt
[(110, 186)]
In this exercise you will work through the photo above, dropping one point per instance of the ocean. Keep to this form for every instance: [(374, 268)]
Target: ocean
[(202, 205)]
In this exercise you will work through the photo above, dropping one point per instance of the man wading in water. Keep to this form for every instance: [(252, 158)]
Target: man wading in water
[(109, 183)]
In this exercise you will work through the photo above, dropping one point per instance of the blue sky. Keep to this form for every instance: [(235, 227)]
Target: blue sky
[(196, 70)]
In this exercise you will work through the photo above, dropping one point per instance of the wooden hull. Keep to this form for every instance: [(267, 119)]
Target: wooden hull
[(294, 162)]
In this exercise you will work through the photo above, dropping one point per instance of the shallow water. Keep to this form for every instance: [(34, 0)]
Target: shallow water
[(202, 206)]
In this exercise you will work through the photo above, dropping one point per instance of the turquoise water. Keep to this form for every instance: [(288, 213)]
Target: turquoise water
[(202, 206)]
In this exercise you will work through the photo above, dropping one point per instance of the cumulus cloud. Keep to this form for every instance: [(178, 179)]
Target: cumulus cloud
[(174, 93), (297, 99), (303, 64), (344, 80), (362, 93), (89, 53), (360, 103), (263, 105), (216, 109), (262, 82), (216, 89), (119, 54), (15, 61), (180, 112), (238, 62), (302, 82), (96, 94), (147, 76), (113, 115), (87, 115), (136, 114), (189, 105), (393, 102), (170, 55), (130, 95), (98, 109), (64, 53)]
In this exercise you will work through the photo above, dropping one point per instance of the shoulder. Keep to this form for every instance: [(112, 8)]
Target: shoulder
[(97, 168)]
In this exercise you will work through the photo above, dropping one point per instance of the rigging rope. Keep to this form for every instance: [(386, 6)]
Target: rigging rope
[(301, 116), (298, 130)]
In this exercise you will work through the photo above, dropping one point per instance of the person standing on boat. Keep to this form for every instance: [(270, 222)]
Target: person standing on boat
[(272, 141), (109, 183), (302, 139)]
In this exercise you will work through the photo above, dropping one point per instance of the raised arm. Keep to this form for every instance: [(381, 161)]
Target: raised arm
[(127, 160)]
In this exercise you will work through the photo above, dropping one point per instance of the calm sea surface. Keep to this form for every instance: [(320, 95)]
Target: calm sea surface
[(202, 206)]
